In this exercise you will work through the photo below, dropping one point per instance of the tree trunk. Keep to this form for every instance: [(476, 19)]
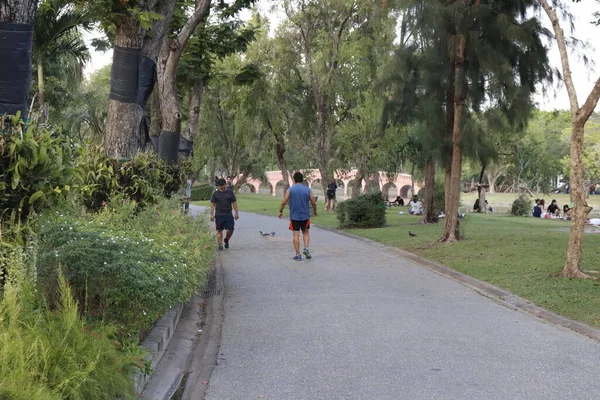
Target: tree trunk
[(581, 209), (194, 115), (18, 11), (281, 162), (322, 147), (147, 70), (155, 119), (492, 174), (451, 231), (579, 118), (16, 29), (376, 182), (41, 93), (412, 180), (357, 188), (167, 72), (429, 214), (119, 141), (213, 170), (482, 205), (481, 190), (243, 176), (447, 175)]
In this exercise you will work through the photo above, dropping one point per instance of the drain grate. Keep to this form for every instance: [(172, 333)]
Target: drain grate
[(209, 293)]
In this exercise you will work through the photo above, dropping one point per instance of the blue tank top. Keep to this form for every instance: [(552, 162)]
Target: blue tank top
[(299, 202)]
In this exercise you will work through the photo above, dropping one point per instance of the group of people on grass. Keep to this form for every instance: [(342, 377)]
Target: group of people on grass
[(539, 210)]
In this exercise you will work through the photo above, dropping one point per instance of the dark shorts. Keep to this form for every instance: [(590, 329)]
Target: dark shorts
[(299, 225), (331, 197), (224, 222)]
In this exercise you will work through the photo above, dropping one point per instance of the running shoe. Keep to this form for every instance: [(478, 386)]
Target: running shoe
[(297, 257), (306, 253), (220, 247), (226, 243)]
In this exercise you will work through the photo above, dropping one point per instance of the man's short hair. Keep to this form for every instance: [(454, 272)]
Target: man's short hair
[(298, 177), (221, 182)]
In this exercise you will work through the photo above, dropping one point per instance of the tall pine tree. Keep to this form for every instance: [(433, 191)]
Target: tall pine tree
[(485, 54)]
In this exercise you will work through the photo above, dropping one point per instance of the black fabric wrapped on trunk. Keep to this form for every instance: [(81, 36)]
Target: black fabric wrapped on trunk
[(16, 41), (155, 140), (146, 79), (169, 146), (185, 147), (132, 76), (124, 75)]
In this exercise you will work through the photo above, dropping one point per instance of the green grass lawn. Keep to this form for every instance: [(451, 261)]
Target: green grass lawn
[(520, 254)]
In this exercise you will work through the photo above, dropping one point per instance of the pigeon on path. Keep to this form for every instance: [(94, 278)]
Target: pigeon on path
[(411, 234), (266, 234)]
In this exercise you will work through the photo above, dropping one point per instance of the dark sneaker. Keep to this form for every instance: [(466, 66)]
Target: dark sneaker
[(220, 247), (297, 257), (306, 253), (226, 243)]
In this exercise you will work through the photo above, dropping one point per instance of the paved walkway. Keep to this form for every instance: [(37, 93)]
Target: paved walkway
[(358, 323)]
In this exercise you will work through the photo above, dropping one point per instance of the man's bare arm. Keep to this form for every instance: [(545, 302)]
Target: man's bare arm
[(313, 201), (286, 198), (235, 208)]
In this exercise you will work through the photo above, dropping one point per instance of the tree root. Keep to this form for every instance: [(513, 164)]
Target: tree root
[(576, 275)]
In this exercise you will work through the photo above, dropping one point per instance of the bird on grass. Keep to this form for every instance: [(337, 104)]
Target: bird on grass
[(411, 234), (266, 234)]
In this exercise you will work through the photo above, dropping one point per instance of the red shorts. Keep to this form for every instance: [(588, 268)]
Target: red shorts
[(299, 225)]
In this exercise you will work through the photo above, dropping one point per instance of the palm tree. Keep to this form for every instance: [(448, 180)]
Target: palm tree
[(58, 35)]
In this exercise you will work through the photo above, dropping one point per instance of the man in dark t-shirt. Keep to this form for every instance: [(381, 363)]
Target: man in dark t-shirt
[(221, 204), (330, 199)]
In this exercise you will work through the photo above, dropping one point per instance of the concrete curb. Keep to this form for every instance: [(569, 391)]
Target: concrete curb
[(184, 369), (156, 344), (205, 354)]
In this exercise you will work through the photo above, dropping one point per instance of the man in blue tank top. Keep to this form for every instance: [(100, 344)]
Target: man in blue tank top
[(299, 196)]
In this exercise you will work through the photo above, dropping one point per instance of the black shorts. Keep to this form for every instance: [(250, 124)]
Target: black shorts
[(299, 225), (224, 222), (331, 197)]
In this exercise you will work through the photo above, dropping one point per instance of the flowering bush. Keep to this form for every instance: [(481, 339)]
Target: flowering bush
[(126, 268)]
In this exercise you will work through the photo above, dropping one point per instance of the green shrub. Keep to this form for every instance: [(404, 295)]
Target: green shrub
[(146, 177), (521, 207), (100, 179), (15, 267), (54, 355), (36, 169), (126, 267), (202, 192), (364, 211), (143, 179)]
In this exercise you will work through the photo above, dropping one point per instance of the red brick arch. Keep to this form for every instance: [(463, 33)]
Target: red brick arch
[(402, 182)]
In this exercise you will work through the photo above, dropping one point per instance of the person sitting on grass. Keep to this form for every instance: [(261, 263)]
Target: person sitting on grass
[(399, 202), (416, 208), (553, 209), (539, 209), (487, 206), (566, 212)]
